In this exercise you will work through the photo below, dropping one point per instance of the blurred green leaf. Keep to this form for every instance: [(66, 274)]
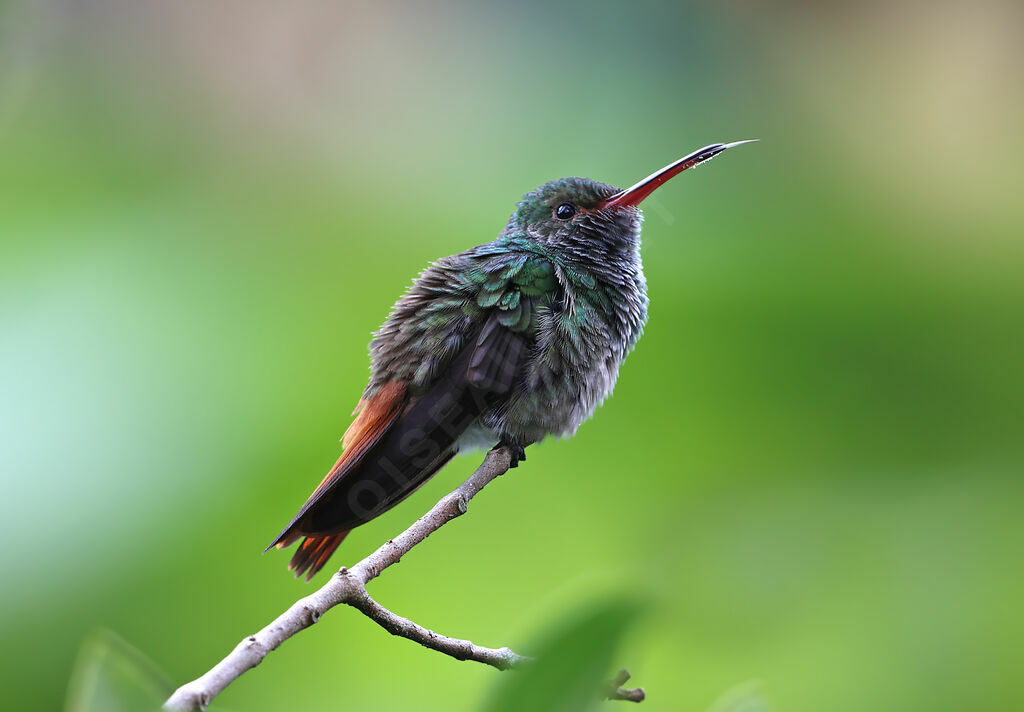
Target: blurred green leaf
[(573, 663), (112, 676)]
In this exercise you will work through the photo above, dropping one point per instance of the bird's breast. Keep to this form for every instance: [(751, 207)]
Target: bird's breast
[(580, 343)]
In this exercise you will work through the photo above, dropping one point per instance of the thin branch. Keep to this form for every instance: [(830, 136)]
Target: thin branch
[(501, 658), (348, 586)]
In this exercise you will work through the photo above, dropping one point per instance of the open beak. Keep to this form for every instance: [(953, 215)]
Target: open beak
[(634, 195)]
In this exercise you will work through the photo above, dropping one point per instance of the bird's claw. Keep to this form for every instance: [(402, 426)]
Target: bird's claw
[(517, 453)]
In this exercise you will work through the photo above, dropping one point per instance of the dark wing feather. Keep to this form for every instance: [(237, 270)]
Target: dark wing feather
[(496, 356), (376, 416)]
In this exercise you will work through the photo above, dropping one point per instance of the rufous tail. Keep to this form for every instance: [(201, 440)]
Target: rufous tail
[(313, 553)]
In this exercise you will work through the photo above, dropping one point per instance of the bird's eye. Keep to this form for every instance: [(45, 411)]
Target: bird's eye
[(565, 211)]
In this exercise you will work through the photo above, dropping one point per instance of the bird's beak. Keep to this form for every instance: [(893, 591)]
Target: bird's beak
[(634, 195)]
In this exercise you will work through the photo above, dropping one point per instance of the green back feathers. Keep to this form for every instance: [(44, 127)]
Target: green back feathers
[(509, 283)]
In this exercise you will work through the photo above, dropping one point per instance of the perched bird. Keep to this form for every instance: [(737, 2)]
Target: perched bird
[(505, 344)]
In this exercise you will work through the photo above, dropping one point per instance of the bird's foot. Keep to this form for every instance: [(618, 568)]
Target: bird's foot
[(517, 453)]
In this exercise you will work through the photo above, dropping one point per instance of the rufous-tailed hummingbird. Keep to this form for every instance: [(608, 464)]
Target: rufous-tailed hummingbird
[(504, 344)]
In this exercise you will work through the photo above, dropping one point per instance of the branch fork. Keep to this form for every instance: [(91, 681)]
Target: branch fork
[(348, 586)]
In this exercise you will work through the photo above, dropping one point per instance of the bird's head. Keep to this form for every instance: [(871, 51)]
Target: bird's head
[(576, 212)]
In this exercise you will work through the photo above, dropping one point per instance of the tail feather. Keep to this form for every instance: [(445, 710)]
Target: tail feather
[(313, 553)]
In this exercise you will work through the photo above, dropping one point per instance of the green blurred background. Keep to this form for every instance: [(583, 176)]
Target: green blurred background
[(812, 462)]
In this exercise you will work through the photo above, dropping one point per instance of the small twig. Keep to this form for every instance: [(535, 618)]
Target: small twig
[(349, 586), (501, 658), (616, 691)]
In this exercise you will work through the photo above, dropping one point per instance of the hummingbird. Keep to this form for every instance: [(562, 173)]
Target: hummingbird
[(500, 345)]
